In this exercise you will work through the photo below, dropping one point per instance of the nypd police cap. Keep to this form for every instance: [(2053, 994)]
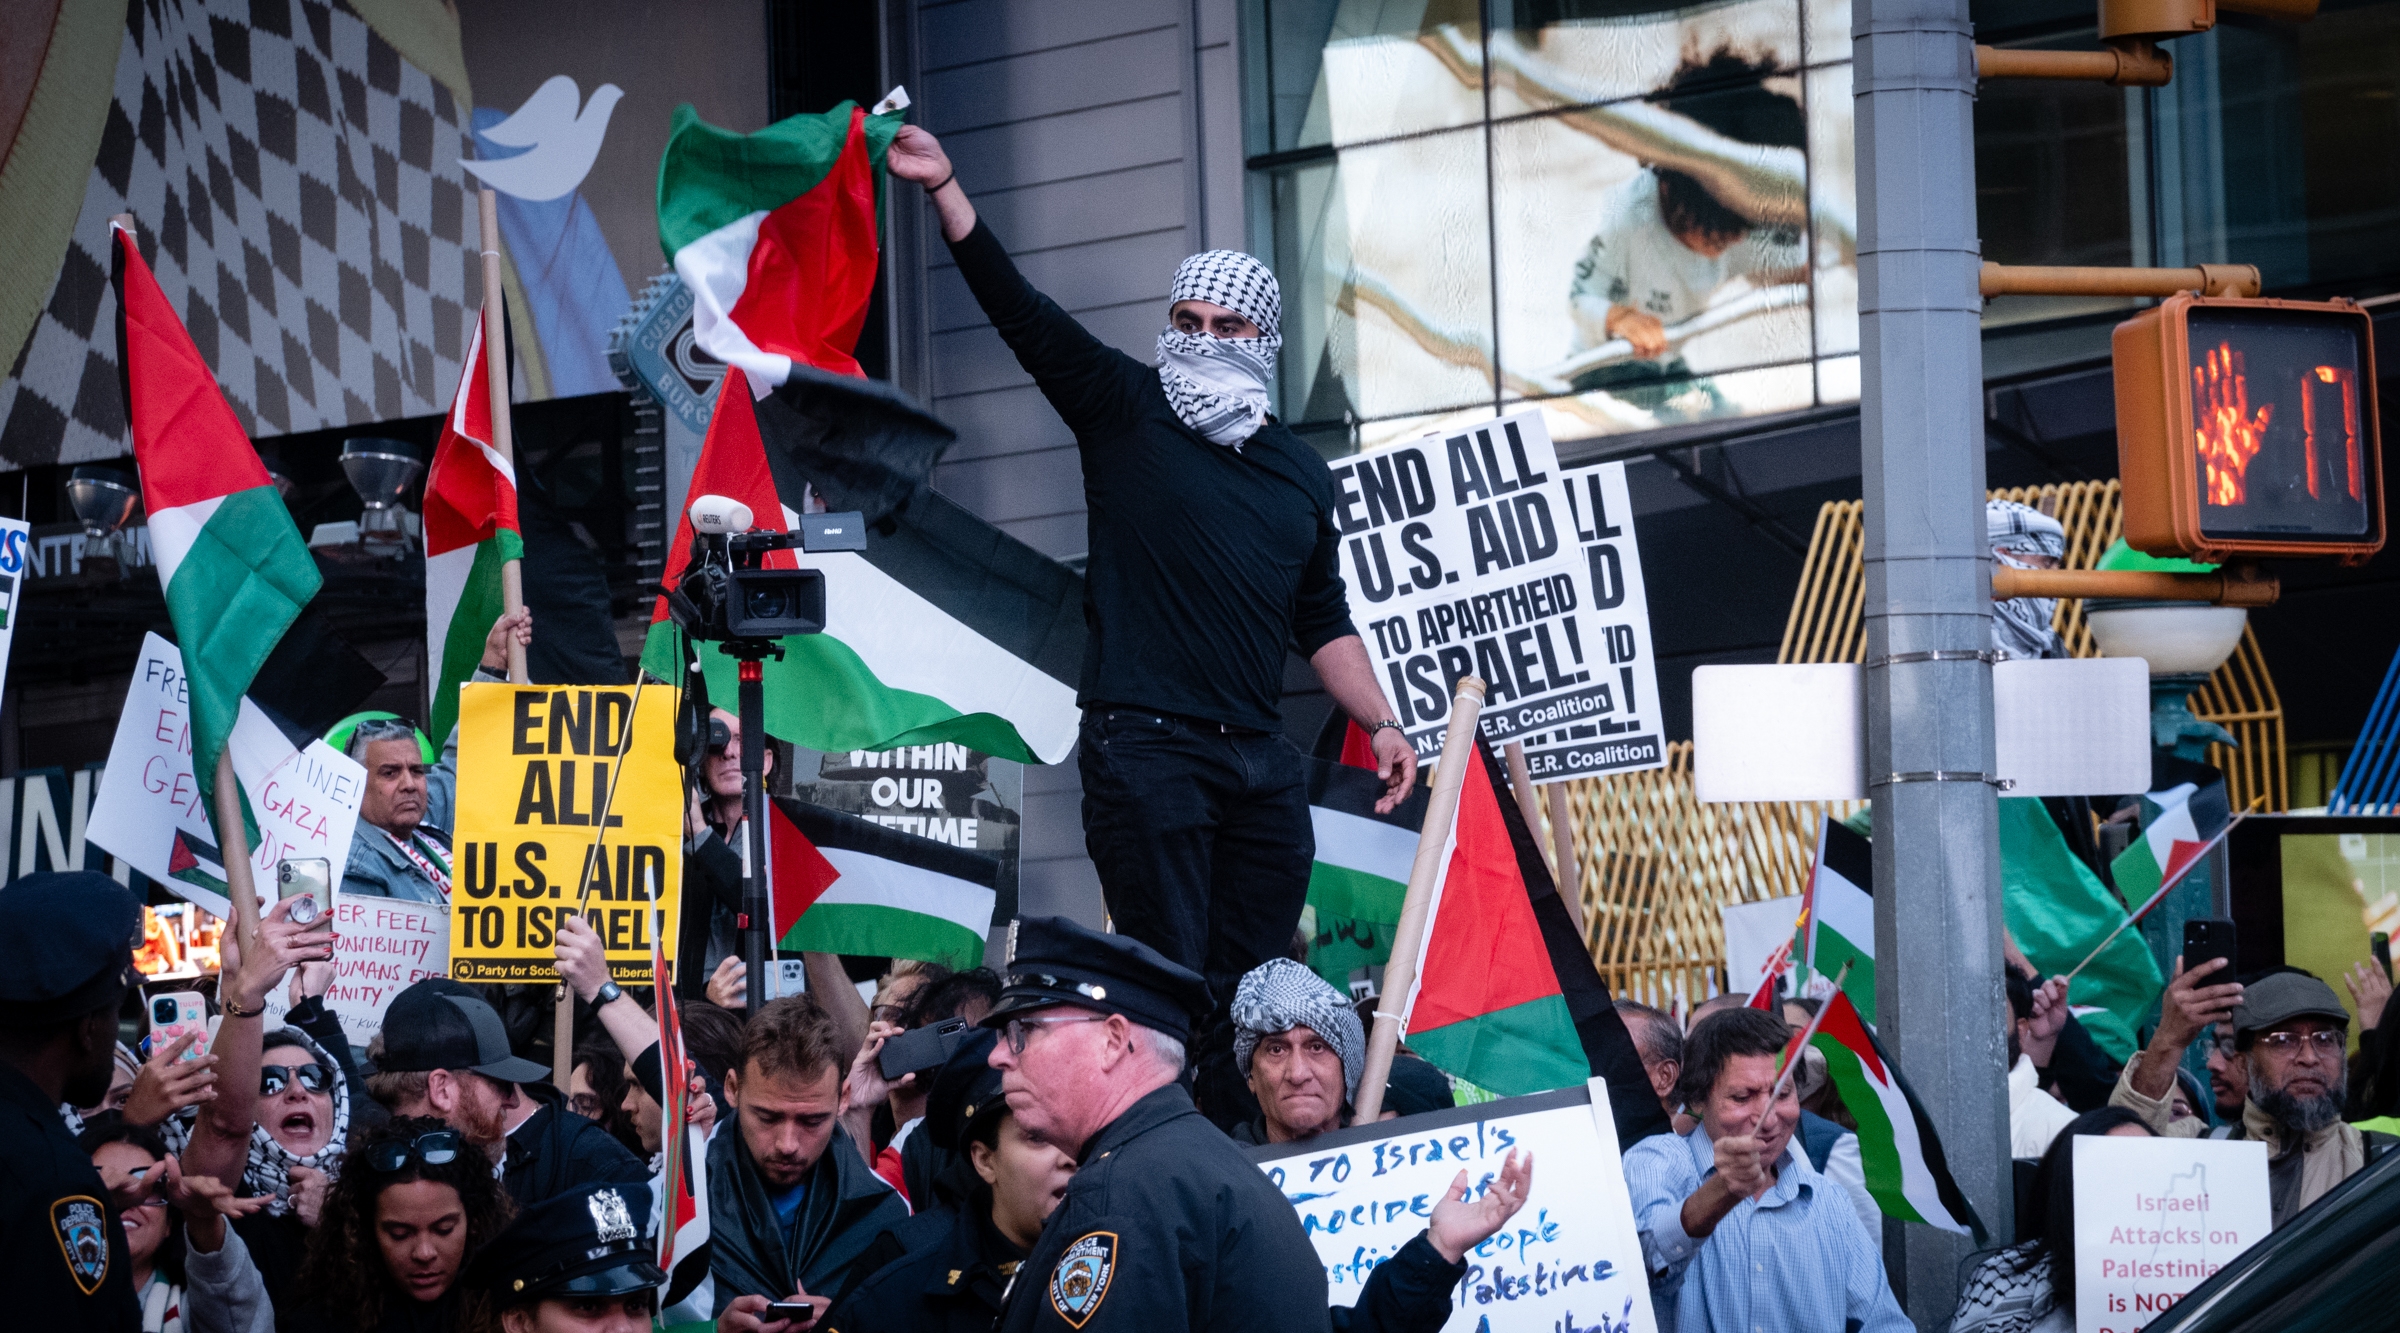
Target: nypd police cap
[(590, 1241), (66, 945), (1052, 960)]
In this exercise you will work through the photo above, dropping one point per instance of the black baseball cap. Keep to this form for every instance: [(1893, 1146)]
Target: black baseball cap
[(592, 1240), (69, 940), (1052, 960), (431, 1026)]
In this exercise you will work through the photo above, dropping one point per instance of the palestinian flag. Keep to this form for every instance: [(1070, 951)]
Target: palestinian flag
[(2178, 825), (235, 570), (775, 235), (1840, 909), (1360, 874), (470, 531), (1903, 1156), (892, 893), (2058, 911), (196, 861), (943, 629), (797, 873), (683, 1178), (1505, 996)]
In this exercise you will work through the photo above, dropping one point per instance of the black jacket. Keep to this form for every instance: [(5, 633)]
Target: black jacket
[(952, 1277), (847, 1208), (1207, 562), (1168, 1226), (62, 1247), (557, 1150)]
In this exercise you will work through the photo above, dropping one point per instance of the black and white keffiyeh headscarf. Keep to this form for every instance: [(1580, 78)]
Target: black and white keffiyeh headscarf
[(2021, 625), (1279, 995), (269, 1170), (1218, 386)]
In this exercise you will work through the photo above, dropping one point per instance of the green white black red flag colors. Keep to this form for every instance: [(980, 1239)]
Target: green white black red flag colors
[(943, 629), (1360, 875), (1506, 997), (1840, 909), (2177, 826), (235, 571), (1902, 1154), (683, 1175), (888, 893), (470, 531), (775, 235)]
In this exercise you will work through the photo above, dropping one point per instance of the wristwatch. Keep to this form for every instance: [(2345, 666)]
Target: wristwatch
[(1387, 722), (609, 993)]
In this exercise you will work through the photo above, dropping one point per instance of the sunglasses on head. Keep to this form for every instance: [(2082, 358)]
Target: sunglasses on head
[(438, 1148), (273, 1079)]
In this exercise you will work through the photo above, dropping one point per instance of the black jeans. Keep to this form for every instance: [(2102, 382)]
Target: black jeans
[(1202, 839)]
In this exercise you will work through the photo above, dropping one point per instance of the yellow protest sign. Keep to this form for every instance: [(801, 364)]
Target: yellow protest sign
[(567, 796)]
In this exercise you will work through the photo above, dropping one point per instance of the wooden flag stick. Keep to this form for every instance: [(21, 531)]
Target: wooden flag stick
[(1520, 785), (1400, 972), (233, 843), (1568, 871)]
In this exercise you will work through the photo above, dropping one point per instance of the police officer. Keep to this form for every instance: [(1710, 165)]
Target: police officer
[(997, 1186), (578, 1262), (66, 968)]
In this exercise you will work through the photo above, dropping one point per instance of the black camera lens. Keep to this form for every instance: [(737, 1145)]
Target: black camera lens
[(772, 602), (162, 1011)]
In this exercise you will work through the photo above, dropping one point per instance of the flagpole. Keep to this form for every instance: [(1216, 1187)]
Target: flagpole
[(1567, 871), (1520, 785), (2153, 899), (1800, 1047), (233, 843), (1400, 972)]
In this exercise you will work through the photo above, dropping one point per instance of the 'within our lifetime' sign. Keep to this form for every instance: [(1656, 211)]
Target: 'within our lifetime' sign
[(566, 796), (1471, 553), (1571, 1257)]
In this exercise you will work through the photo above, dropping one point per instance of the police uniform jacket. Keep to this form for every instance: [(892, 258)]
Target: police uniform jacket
[(953, 1278), (62, 1247), (556, 1150), (1168, 1226)]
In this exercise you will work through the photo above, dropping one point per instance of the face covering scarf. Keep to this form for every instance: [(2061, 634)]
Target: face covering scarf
[(1218, 386), (2021, 625)]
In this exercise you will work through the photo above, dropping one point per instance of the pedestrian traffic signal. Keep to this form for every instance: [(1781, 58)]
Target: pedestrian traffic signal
[(2247, 428)]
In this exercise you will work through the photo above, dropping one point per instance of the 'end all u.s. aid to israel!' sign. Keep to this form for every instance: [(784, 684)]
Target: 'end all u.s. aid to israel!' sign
[(569, 800), (1471, 552)]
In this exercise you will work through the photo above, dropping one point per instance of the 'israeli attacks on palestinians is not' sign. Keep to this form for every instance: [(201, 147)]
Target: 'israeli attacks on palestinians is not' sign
[(568, 800)]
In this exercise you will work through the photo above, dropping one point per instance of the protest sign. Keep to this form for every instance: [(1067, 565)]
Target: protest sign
[(564, 793), (153, 813), (1756, 934), (16, 542), (381, 946), (1471, 554), (2155, 1217), (1571, 1257)]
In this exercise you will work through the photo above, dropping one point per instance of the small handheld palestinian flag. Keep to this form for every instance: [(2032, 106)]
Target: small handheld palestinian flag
[(470, 532), (1902, 1154), (1505, 996), (683, 1228), (775, 235), (2181, 824), (1359, 878), (1838, 916)]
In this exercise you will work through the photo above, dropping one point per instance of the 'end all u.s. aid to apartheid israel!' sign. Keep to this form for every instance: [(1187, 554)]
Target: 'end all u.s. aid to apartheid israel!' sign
[(568, 800), (1471, 552)]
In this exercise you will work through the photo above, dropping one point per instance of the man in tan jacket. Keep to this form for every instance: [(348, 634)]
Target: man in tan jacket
[(2289, 1031)]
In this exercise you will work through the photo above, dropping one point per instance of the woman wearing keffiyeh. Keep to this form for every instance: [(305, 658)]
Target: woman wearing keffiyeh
[(1215, 536)]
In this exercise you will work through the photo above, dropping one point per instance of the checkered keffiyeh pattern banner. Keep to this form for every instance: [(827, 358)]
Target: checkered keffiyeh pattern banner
[(298, 193)]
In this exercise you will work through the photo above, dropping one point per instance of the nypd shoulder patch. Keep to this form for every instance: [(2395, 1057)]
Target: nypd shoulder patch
[(1080, 1282), (82, 1228)]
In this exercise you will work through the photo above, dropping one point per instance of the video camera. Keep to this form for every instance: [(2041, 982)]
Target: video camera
[(728, 595)]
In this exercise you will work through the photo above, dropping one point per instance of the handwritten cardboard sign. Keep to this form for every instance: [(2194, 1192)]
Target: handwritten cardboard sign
[(153, 812), (2155, 1217), (1570, 1259), (568, 798), (380, 948)]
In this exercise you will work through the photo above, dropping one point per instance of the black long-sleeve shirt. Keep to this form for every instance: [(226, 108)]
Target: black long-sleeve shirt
[(1207, 562)]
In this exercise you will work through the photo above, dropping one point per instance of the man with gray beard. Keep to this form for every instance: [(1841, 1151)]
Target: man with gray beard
[(2289, 1030)]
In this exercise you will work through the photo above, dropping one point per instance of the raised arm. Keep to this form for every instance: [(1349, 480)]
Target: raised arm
[(1085, 379)]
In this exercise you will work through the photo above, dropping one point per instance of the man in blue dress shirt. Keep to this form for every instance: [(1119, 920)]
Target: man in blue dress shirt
[(1739, 1232)]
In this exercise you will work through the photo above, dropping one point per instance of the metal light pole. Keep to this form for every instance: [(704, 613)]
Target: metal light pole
[(1940, 1006)]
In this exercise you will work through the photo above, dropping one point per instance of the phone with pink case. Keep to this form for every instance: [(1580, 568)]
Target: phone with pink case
[(175, 1013)]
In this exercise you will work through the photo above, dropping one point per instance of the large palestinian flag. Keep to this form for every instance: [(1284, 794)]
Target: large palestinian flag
[(1505, 997), (1902, 1154), (470, 531), (944, 629), (1840, 908), (775, 234), (1360, 875), (235, 570), (889, 893)]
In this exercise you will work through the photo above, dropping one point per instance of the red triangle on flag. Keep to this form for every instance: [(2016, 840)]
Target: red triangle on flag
[(799, 873), (1484, 950), (2180, 856), (470, 491), (733, 463)]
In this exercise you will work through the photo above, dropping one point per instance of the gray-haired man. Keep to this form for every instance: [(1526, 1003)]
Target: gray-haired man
[(1213, 552), (401, 848)]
